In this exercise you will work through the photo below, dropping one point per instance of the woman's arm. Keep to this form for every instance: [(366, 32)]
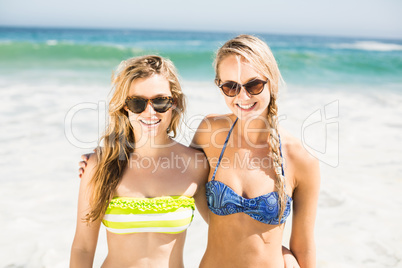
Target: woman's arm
[(86, 235), (201, 203), (305, 198), (199, 196), (200, 140)]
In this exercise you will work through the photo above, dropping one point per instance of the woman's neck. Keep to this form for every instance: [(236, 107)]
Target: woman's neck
[(254, 131), (153, 145)]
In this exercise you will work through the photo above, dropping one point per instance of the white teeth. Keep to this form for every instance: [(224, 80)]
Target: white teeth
[(246, 106), (150, 122)]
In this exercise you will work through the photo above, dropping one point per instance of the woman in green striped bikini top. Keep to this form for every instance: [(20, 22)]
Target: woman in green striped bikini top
[(167, 214), (140, 184)]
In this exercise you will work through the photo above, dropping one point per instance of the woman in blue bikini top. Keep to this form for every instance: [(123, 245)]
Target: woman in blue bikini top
[(247, 192), (222, 200)]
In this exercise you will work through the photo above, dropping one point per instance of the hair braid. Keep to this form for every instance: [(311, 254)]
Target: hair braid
[(273, 141)]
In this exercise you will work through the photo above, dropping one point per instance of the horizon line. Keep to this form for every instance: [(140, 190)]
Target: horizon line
[(191, 31)]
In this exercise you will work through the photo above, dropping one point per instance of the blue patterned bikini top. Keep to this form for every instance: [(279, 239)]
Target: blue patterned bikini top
[(222, 200)]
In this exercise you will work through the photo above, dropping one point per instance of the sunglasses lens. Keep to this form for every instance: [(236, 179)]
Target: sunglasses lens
[(254, 87), (136, 105), (161, 105), (230, 89)]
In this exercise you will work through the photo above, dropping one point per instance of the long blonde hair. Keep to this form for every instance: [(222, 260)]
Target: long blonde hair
[(119, 140), (259, 55)]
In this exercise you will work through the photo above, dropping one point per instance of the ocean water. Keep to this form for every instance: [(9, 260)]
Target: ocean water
[(89, 55), (343, 100)]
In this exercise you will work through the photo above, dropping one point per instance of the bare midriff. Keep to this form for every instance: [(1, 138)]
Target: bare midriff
[(151, 250), (237, 240)]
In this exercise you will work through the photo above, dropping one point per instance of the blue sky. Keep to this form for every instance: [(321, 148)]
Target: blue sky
[(359, 18)]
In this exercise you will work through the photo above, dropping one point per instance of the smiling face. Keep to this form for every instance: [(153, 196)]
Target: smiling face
[(150, 123), (244, 105)]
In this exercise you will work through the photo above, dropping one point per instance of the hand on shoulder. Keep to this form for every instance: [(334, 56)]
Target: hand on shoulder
[(90, 164), (83, 164)]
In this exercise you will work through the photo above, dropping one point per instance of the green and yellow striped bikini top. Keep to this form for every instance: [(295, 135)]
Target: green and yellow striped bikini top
[(166, 214)]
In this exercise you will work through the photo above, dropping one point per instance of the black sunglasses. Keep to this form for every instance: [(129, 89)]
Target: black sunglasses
[(160, 104), (232, 89)]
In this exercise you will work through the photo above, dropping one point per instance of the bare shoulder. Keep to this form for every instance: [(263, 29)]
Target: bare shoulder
[(295, 150), (304, 164), (184, 151), (208, 126), (196, 163), (219, 120)]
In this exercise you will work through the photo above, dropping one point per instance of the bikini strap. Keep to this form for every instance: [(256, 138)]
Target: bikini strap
[(280, 151), (223, 149)]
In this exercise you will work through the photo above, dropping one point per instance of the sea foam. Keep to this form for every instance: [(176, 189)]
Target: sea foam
[(368, 45)]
